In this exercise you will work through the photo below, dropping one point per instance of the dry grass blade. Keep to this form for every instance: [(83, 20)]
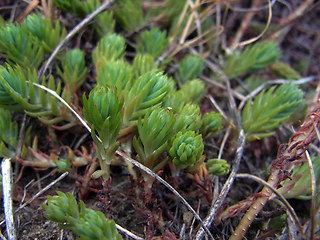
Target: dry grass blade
[(128, 233), (7, 197), (261, 34), (314, 196), (276, 81), (62, 176), (161, 180), (32, 5)]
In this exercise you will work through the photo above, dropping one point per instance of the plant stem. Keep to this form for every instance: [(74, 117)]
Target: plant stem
[(256, 207)]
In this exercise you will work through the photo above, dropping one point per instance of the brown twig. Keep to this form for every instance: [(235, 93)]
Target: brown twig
[(275, 191), (285, 22), (244, 24)]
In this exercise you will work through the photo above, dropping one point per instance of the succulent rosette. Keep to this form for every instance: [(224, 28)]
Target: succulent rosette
[(218, 167), (187, 149)]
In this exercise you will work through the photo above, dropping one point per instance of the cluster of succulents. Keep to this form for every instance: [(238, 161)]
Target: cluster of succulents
[(85, 222), (132, 103)]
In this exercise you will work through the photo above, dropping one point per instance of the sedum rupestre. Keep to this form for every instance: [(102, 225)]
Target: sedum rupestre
[(86, 223), (187, 149)]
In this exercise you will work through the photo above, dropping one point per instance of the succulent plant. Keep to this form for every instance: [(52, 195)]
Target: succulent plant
[(74, 71), (78, 8), (253, 58), (190, 68), (19, 47), (94, 225), (187, 149), (62, 209), (270, 109), (188, 117), (146, 92), (143, 63), (110, 47), (85, 222), (210, 123), (8, 134), (43, 30), (129, 14), (116, 75), (18, 92), (103, 110), (217, 167), (153, 42), (104, 22), (155, 131), (283, 70), (192, 91)]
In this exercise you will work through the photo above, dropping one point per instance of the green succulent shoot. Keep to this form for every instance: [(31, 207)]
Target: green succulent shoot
[(143, 63), (116, 75), (217, 167), (155, 130), (283, 70), (103, 110), (187, 150), (76, 7), (188, 117), (192, 91), (129, 14), (253, 58), (43, 30), (190, 68), (269, 110), (104, 23), (19, 47), (146, 92), (19, 93), (86, 223), (8, 134), (153, 42), (62, 209), (211, 122), (74, 71), (299, 184), (94, 225), (110, 47)]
